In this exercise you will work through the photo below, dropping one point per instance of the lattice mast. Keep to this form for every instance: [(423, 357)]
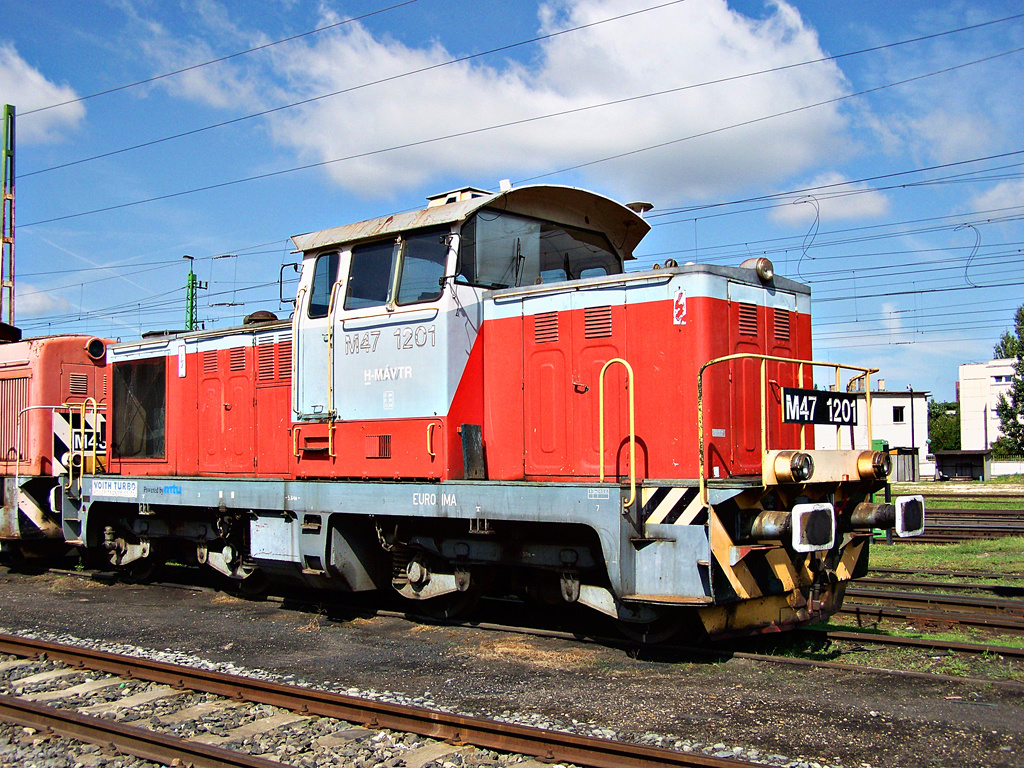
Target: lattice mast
[(7, 216), (192, 285)]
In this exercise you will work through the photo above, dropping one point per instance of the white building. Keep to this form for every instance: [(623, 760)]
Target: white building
[(899, 418), (981, 384)]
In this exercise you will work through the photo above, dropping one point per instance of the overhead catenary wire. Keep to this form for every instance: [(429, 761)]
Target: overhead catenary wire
[(488, 52), (218, 60), (469, 132), (816, 245), (361, 86)]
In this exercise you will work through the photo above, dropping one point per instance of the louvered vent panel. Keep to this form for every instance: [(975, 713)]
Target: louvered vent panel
[(284, 360), (597, 322), (14, 396), (104, 385), (782, 325), (545, 328), (78, 384), (265, 360), (378, 446), (210, 361), (236, 360), (748, 319)]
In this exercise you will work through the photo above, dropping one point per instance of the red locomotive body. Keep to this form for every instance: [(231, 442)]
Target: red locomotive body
[(480, 393)]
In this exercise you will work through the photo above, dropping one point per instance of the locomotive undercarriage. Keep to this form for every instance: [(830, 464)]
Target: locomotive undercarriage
[(136, 539), (734, 563), (28, 527)]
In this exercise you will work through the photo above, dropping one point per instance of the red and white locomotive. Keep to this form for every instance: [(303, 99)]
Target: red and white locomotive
[(478, 396)]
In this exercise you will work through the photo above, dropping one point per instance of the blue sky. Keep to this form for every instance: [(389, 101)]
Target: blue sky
[(887, 179)]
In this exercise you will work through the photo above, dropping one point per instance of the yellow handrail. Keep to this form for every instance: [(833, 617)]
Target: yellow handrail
[(632, 425), (81, 432), (765, 359)]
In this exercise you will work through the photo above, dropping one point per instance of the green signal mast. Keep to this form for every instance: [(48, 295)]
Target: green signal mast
[(191, 306), (7, 217)]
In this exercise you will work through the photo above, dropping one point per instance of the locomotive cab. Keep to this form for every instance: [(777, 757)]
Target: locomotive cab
[(388, 315)]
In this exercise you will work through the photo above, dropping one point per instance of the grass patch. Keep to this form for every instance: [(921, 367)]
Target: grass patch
[(1004, 555), (935, 661)]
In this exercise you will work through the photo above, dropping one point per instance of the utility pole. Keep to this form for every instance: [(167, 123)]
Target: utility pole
[(191, 305), (7, 221)]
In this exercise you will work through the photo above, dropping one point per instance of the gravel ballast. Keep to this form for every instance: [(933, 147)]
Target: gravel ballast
[(774, 714)]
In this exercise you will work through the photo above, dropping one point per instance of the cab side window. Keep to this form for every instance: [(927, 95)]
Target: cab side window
[(370, 275), (423, 261), (325, 273)]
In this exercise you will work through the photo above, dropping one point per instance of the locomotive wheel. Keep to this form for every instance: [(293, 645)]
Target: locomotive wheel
[(255, 586), (653, 632), (138, 571), (450, 607), (32, 555)]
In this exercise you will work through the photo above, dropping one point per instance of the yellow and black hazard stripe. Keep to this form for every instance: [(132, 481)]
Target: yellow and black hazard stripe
[(671, 506)]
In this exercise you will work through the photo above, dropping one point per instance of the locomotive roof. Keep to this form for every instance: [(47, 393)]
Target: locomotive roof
[(564, 205)]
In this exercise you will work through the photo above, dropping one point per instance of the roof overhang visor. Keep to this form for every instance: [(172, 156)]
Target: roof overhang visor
[(569, 206)]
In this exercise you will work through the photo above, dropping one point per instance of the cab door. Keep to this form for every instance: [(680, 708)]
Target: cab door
[(310, 395), (747, 335)]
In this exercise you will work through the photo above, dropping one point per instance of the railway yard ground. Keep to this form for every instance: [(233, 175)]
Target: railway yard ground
[(797, 699)]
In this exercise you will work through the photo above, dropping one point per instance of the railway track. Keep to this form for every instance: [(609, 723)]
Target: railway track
[(978, 606), (1010, 652), (1005, 615), (949, 574), (948, 524), (1000, 590), (356, 719), (977, 495)]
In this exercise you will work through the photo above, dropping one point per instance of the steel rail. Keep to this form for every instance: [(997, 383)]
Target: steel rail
[(1001, 590), (128, 739), (976, 497), (872, 613), (952, 603), (547, 746), (920, 642), (951, 574)]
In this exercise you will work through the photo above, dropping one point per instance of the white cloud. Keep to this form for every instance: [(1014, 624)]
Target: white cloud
[(655, 51), (31, 301), (27, 88), (949, 136), (967, 109), (840, 201), (1008, 194)]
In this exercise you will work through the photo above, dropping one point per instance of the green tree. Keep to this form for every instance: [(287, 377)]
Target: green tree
[(943, 426), (1011, 405), (1010, 342)]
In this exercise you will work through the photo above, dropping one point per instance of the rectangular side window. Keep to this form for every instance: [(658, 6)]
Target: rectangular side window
[(325, 273), (423, 261), (370, 276), (897, 414), (139, 409)]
